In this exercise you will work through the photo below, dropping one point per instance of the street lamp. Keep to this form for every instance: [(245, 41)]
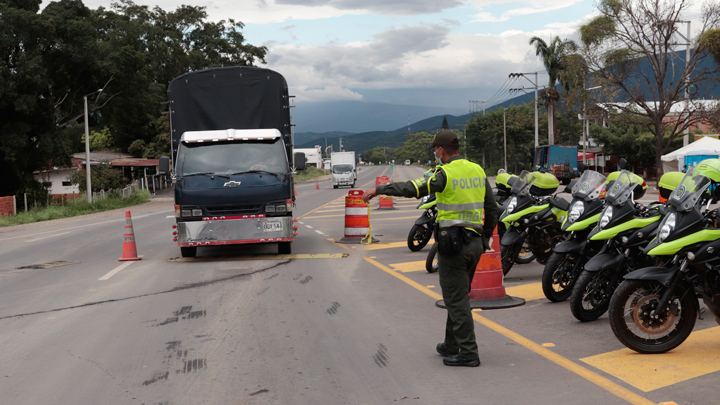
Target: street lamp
[(88, 189)]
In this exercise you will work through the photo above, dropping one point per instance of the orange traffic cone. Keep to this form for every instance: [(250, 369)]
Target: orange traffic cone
[(317, 185), (129, 249), (295, 192)]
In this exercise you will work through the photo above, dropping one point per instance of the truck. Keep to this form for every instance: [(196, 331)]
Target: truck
[(343, 169), (232, 165), (560, 160), (313, 156)]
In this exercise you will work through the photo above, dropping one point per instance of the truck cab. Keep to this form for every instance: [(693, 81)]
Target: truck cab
[(560, 160)]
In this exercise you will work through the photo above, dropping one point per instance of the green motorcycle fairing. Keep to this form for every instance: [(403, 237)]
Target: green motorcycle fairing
[(584, 224), (427, 205), (674, 246), (527, 211), (635, 223)]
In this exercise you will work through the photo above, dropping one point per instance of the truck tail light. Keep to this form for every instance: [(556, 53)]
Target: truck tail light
[(177, 211), (289, 204)]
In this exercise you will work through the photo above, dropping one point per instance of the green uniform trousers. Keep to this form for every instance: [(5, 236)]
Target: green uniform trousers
[(456, 273)]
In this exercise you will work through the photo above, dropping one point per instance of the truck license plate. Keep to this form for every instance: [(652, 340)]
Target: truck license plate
[(272, 226)]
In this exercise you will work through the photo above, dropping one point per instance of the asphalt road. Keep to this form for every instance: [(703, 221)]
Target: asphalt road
[(358, 329)]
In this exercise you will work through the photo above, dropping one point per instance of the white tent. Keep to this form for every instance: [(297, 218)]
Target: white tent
[(704, 147)]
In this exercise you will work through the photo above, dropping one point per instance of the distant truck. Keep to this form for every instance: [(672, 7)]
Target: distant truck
[(232, 158), (313, 156), (560, 160), (407, 162), (343, 169)]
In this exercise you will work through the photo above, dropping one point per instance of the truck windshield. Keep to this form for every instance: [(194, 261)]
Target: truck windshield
[(340, 169), (232, 157)]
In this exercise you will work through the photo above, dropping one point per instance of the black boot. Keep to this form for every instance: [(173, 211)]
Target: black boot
[(458, 361), (444, 351)]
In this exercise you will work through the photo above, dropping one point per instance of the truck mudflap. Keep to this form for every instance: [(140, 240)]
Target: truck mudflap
[(235, 230)]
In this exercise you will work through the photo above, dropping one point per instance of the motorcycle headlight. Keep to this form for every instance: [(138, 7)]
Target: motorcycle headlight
[(576, 210), (424, 199), (511, 205), (606, 217), (667, 227)]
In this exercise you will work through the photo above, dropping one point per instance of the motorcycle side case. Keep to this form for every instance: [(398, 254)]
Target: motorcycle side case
[(604, 261), (512, 237), (660, 274), (570, 246)]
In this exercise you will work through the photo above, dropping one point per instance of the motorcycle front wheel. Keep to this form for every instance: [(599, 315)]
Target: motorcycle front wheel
[(418, 237), (525, 255), (431, 263), (558, 277), (591, 294), (630, 309)]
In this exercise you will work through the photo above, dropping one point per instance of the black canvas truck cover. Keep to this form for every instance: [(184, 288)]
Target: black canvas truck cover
[(229, 97)]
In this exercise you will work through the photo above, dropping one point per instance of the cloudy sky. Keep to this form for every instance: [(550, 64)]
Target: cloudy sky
[(417, 52)]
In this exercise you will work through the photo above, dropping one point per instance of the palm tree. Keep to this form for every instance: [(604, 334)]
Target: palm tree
[(553, 57)]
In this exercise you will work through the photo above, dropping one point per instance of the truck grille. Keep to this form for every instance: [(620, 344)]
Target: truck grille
[(225, 210)]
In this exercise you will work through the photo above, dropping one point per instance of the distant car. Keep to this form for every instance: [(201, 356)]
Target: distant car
[(407, 162)]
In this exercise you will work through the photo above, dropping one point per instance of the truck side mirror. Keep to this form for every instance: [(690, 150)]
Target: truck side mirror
[(164, 165), (622, 164), (299, 161), (581, 167)]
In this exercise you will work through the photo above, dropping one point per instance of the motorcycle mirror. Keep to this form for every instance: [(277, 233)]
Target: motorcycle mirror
[(622, 164), (663, 209), (581, 167), (519, 167)]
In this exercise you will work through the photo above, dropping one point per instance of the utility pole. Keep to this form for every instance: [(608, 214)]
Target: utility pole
[(686, 136), (88, 189), (505, 139), (586, 124), (535, 86)]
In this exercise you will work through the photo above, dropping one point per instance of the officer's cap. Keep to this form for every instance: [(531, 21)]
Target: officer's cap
[(446, 137)]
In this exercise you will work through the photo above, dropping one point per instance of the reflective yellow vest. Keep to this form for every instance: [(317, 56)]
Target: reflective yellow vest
[(462, 202)]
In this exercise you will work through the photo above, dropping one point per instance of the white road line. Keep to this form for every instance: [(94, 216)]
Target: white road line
[(319, 232), (116, 271), (309, 226), (45, 237), (85, 226), (302, 223), (170, 216)]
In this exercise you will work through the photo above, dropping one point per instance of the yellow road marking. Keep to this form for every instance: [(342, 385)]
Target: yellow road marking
[(589, 375), (340, 244), (260, 257), (697, 356), (385, 246), (529, 292), (394, 219), (374, 214), (409, 266)]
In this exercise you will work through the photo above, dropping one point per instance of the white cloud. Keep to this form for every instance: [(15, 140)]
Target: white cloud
[(392, 7), (534, 8), (328, 93)]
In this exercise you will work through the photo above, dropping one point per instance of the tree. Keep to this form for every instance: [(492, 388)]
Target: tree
[(102, 140), (417, 147), (103, 177), (554, 58), (445, 123), (630, 50)]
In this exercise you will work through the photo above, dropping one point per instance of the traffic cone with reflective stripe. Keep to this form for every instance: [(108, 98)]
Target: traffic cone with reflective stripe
[(129, 249), (317, 185)]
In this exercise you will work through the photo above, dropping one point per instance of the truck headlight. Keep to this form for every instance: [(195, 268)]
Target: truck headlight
[(667, 227), (576, 210), (511, 205), (606, 217)]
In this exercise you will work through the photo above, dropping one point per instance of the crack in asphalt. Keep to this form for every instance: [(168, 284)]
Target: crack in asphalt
[(179, 288)]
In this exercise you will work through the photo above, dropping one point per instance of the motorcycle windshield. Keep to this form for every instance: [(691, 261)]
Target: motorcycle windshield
[(522, 184), (688, 193), (622, 189), (589, 186)]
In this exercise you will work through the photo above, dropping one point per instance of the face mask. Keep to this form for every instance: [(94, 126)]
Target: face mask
[(437, 159)]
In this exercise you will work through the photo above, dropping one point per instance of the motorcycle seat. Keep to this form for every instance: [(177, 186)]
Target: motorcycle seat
[(560, 203)]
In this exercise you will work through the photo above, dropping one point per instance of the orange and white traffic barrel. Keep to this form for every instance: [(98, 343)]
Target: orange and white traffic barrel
[(357, 218), (384, 202)]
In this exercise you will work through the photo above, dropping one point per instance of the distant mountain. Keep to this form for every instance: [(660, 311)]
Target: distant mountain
[(358, 116)]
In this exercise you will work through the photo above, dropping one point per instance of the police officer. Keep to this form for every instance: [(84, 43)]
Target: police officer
[(467, 215)]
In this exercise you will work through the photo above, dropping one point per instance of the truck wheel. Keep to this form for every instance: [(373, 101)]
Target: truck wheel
[(284, 248), (335, 186), (189, 251)]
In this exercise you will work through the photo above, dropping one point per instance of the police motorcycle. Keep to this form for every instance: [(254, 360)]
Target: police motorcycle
[(654, 308), (422, 230), (570, 255), (624, 230), (532, 215)]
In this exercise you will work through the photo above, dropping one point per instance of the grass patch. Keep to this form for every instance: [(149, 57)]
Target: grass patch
[(310, 173), (72, 210)]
